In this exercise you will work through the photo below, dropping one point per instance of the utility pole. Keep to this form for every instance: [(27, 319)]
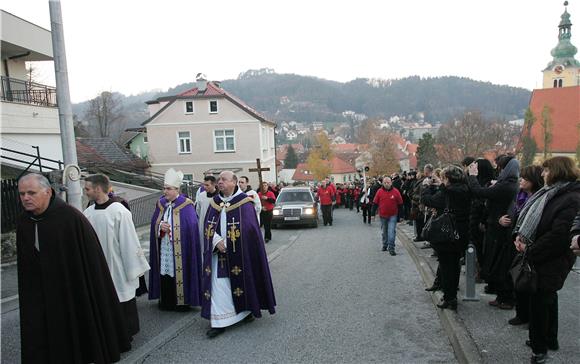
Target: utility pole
[(71, 173)]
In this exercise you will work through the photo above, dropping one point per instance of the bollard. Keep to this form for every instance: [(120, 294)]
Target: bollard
[(470, 294)]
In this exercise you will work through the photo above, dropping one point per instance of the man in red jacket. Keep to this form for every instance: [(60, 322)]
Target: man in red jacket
[(387, 200), (326, 195)]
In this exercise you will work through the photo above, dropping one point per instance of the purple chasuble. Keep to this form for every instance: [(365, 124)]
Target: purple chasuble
[(245, 263), (186, 251)]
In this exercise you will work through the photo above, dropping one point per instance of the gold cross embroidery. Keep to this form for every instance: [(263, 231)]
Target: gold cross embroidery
[(222, 259), (180, 283), (233, 233), (208, 270), (178, 255), (207, 295), (178, 269), (238, 292), (209, 229), (236, 270)]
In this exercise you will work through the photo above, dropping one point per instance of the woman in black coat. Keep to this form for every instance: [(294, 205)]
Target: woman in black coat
[(454, 192), (498, 249), (478, 213), (542, 230)]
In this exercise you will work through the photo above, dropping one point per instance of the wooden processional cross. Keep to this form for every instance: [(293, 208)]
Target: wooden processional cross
[(259, 170)]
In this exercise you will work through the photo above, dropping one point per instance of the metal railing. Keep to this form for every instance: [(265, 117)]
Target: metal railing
[(26, 92), (143, 207)]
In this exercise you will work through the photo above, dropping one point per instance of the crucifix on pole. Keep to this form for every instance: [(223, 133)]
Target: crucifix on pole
[(259, 169)]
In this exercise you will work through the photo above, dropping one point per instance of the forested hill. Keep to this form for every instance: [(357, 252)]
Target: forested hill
[(302, 98)]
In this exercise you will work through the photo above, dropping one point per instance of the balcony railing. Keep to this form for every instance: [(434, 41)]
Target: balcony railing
[(26, 92)]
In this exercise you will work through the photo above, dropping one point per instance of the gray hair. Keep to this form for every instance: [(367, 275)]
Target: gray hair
[(428, 167), (42, 181)]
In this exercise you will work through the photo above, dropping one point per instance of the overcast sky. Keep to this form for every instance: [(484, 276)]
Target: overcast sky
[(132, 46)]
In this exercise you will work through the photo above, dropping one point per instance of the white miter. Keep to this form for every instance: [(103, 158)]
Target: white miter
[(173, 178)]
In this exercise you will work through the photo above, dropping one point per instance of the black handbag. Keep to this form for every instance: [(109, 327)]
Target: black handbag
[(523, 274), (441, 228)]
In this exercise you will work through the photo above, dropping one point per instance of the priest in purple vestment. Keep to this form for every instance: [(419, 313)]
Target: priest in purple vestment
[(236, 276), (175, 257)]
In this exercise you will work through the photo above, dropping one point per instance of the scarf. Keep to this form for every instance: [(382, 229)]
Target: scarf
[(531, 214)]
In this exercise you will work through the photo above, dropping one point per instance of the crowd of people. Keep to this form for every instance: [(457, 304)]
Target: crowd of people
[(507, 212)]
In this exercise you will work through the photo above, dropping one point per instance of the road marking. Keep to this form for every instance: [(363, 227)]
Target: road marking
[(291, 240)]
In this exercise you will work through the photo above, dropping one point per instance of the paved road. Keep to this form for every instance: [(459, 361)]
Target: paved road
[(340, 299)]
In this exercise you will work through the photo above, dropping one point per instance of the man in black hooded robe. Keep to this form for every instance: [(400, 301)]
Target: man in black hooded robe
[(69, 310)]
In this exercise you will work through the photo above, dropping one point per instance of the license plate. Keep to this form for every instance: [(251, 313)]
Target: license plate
[(292, 218)]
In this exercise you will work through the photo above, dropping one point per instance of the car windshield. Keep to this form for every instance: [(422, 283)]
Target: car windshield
[(294, 196)]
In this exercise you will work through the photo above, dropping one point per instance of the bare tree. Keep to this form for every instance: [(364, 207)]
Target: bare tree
[(105, 115), (472, 136)]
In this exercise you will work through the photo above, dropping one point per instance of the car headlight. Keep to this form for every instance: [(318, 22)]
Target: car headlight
[(277, 212), (308, 211)]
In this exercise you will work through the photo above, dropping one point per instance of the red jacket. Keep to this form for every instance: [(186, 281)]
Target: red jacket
[(268, 203), (388, 201), (325, 195)]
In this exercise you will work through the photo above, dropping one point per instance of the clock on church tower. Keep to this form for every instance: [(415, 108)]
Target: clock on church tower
[(564, 69)]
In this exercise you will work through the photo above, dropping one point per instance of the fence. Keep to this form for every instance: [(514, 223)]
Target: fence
[(143, 207), (15, 90), (11, 207)]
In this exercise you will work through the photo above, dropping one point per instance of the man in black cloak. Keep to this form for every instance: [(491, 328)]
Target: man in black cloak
[(69, 310)]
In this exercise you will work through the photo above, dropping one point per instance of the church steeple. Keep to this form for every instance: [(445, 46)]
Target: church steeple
[(563, 70)]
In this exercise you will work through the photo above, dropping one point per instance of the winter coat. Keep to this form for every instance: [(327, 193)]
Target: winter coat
[(459, 205), (575, 225), (550, 253)]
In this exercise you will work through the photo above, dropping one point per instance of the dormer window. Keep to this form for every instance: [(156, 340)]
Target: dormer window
[(213, 107), (189, 107)]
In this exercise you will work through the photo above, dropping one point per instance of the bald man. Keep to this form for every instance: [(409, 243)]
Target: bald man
[(69, 310), (236, 280)]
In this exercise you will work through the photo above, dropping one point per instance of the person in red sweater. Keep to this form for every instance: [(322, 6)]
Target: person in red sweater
[(387, 200), (326, 196), (268, 199)]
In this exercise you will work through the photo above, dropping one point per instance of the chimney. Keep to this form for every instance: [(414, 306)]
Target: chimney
[(200, 82)]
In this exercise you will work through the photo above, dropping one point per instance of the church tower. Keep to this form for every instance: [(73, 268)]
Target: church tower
[(564, 69)]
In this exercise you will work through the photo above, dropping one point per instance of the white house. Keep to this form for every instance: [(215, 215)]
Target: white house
[(291, 135), (28, 110), (206, 130)]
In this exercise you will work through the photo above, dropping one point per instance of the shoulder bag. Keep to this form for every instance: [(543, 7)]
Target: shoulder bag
[(441, 228)]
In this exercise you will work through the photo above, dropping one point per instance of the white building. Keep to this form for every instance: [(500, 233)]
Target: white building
[(29, 112), (206, 130)]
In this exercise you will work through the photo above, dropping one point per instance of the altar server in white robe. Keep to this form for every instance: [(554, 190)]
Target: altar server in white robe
[(114, 226)]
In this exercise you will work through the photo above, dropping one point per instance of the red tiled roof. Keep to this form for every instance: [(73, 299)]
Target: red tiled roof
[(338, 167), (212, 90), (346, 148), (300, 175), (412, 148), (564, 104)]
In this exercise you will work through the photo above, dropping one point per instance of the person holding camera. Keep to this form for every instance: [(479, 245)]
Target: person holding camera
[(449, 193)]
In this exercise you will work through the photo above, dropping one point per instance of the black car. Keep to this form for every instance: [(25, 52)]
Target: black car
[(295, 206)]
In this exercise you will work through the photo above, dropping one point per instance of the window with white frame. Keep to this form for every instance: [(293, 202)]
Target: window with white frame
[(224, 140), (189, 107), (213, 106), (184, 142)]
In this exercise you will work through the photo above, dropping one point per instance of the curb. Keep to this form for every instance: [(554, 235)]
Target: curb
[(464, 347)]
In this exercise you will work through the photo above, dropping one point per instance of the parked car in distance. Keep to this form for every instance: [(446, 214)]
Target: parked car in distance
[(295, 206)]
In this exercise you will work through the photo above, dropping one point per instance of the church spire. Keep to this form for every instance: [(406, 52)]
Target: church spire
[(565, 51)]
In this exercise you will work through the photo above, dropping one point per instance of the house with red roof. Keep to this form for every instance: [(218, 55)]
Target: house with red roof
[(206, 130), (341, 172)]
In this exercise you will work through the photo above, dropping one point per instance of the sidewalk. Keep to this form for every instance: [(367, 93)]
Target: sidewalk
[(488, 336)]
